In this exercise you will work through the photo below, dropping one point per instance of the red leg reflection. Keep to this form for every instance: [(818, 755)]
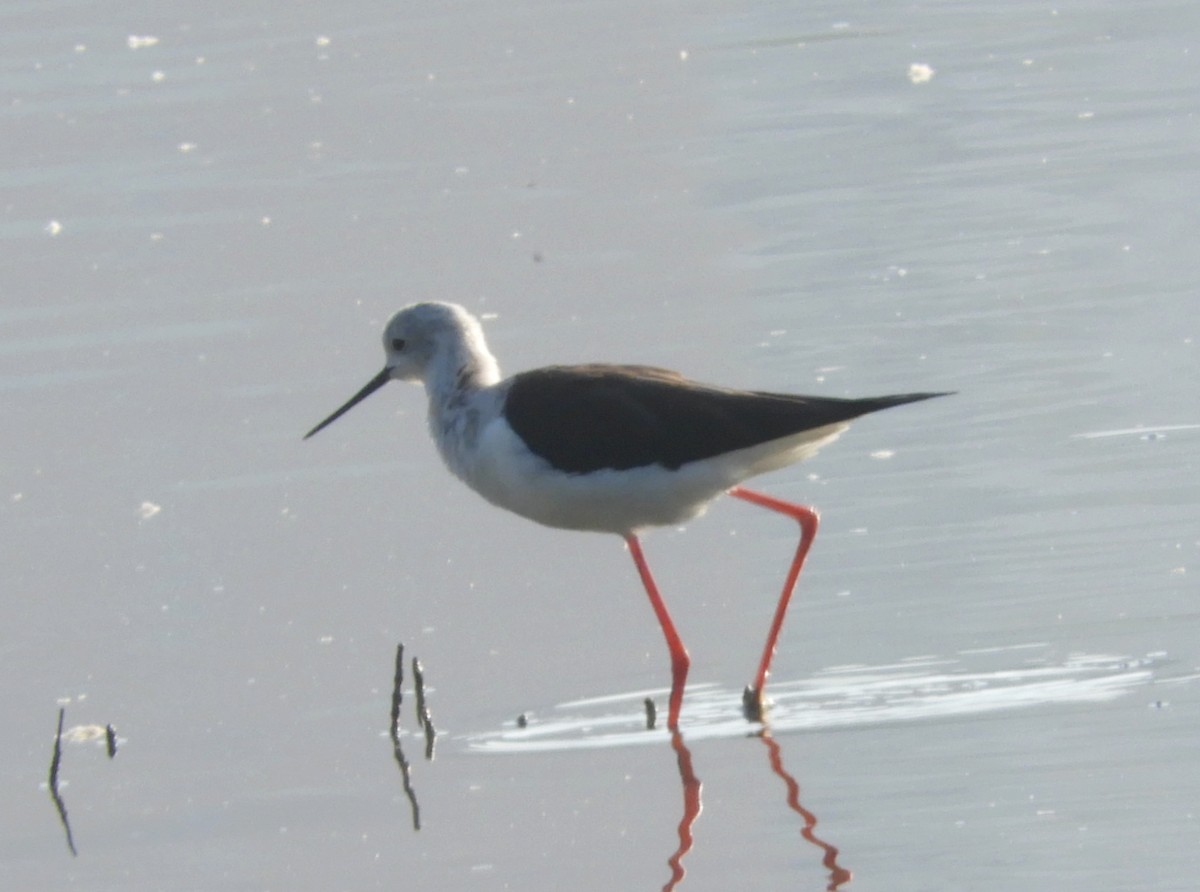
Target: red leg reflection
[(691, 810), (807, 518), (838, 875)]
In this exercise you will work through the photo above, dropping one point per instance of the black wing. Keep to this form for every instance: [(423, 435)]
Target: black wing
[(594, 417)]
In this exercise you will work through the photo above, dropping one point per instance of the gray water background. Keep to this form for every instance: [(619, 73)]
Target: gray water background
[(201, 234)]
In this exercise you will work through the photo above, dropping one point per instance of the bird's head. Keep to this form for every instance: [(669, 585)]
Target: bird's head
[(414, 340)]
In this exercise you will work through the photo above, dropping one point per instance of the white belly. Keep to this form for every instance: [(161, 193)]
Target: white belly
[(507, 474)]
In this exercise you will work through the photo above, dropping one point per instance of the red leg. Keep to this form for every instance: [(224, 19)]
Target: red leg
[(679, 654), (807, 518)]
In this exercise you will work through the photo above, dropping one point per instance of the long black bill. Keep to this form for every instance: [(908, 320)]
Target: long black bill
[(373, 385)]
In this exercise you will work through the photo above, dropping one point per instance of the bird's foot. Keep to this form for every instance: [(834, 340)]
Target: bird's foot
[(754, 704)]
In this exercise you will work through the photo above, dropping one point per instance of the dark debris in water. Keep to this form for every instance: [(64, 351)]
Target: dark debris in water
[(424, 721), (77, 734)]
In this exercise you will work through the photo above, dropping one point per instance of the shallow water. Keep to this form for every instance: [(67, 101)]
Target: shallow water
[(988, 678)]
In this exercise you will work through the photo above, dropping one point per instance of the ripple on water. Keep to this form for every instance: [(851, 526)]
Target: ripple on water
[(972, 682)]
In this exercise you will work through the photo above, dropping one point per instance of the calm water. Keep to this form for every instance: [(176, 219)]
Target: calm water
[(988, 680)]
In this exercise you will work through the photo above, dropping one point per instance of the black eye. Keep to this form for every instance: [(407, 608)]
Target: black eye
[(397, 344)]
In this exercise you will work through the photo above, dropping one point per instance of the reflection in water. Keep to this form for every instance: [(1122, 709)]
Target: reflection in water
[(969, 683), (406, 778), (424, 720), (838, 875), (59, 804), (692, 806), (691, 809)]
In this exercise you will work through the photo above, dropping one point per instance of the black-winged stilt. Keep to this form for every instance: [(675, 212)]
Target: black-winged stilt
[(609, 448)]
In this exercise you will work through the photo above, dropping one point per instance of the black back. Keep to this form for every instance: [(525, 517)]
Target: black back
[(594, 417)]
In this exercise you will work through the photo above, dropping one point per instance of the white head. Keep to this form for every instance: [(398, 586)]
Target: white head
[(421, 333), (431, 342)]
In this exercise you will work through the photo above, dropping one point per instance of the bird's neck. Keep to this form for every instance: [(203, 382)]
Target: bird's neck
[(457, 374), (457, 386)]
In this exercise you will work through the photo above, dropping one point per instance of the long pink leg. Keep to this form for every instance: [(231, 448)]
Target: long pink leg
[(807, 518), (679, 654)]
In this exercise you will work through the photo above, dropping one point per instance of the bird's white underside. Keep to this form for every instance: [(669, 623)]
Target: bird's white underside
[(507, 474)]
